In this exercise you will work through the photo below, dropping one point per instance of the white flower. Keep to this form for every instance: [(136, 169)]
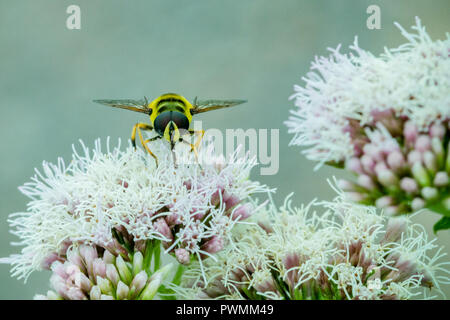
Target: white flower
[(345, 92), (103, 198), (347, 252)]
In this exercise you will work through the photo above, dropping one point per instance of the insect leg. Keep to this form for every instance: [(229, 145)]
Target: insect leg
[(142, 126), (201, 132), (144, 143), (193, 148)]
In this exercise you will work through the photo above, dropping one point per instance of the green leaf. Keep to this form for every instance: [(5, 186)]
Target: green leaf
[(439, 207), (442, 224), (166, 294)]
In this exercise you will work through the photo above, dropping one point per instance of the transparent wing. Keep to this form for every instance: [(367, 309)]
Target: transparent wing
[(208, 105), (129, 104)]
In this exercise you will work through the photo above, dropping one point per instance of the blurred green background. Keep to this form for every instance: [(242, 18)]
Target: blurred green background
[(246, 49)]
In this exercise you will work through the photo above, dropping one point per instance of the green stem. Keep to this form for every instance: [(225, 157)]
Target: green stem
[(148, 256), (177, 277), (157, 254)]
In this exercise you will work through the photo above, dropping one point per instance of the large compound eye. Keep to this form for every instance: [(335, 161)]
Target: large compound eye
[(164, 118), (180, 120), (161, 122)]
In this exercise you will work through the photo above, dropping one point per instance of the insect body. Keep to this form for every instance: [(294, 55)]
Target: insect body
[(170, 117)]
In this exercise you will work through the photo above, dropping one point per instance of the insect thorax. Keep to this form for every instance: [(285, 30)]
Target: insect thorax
[(170, 102)]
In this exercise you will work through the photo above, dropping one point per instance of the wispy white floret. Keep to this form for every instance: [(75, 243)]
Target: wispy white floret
[(102, 193), (342, 90)]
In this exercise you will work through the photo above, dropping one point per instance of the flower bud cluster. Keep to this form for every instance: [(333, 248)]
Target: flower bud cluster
[(94, 273), (348, 252)]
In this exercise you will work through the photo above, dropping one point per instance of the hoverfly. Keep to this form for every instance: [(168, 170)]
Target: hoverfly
[(169, 113)]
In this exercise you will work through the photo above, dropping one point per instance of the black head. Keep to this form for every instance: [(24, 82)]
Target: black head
[(162, 120)]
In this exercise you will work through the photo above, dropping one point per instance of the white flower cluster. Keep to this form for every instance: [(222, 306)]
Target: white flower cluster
[(348, 252), (412, 81), (190, 208)]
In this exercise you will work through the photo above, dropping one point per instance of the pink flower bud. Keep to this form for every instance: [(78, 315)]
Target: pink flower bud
[(387, 178), (139, 282), (417, 204), (265, 285), (373, 151), (172, 219), (354, 165), (395, 160), (59, 269), (215, 244), (242, 212), (99, 268), (230, 200), (104, 284), (89, 254), (368, 164), (95, 293), (161, 226), (58, 284), (429, 193), (74, 293), (437, 130), (83, 282), (409, 185), (423, 143), (384, 202), (414, 156), (406, 266), (441, 179), (366, 182), (112, 274), (290, 261), (138, 262), (391, 210), (378, 115), (122, 291), (215, 198), (74, 257), (346, 185), (410, 132), (355, 196), (394, 229), (48, 261), (429, 159), (379, 167), (108, 257), (266, 226), (182, 256)]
